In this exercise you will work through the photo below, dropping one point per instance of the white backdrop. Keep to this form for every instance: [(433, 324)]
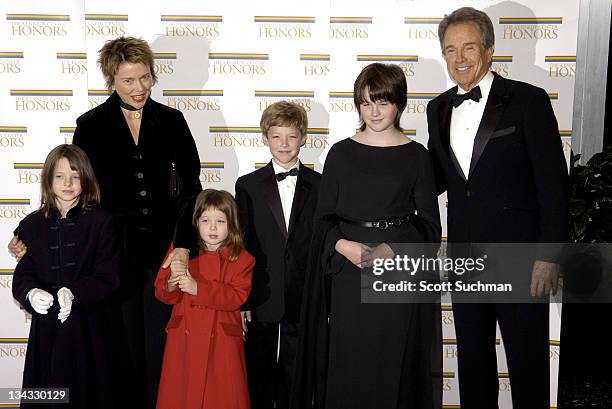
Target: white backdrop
[(221, 64)]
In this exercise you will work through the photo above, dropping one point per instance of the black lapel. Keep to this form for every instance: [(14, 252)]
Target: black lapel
[(490, 118), (270, 191), (457, 165), (302, 187), (446, 109), (444, 113)]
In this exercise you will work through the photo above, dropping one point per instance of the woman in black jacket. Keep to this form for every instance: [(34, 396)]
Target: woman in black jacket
[(147, 165)]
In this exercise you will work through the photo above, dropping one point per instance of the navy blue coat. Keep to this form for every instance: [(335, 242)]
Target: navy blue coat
[(78, 252)]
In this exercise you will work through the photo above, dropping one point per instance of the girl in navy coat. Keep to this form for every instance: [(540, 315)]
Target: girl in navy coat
[(65, 280)]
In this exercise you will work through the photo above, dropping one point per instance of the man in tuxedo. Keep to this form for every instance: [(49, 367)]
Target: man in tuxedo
[(498, 155), (276, 204)]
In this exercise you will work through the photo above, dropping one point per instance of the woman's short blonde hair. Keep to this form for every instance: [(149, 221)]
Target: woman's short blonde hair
[(124, 49)]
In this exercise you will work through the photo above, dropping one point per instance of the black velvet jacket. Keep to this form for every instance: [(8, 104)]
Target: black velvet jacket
[(149, 187)]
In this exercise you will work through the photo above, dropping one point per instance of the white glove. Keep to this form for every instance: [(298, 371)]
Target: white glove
[(40, 300), (64, 297)]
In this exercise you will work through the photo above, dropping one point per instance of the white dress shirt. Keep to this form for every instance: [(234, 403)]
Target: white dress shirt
[(465, 121), (286, 190)]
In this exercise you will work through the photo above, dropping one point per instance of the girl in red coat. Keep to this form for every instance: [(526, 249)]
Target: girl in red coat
[(204, 356)]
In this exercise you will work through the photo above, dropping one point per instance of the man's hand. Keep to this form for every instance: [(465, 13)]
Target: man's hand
[(17, 248), (544, 278)]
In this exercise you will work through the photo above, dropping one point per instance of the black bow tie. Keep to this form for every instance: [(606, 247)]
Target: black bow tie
[(474, 94), (281, 176)]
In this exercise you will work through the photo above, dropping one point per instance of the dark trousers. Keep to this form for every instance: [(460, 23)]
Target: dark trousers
[(270, 378), (524, 329), (145, 320)]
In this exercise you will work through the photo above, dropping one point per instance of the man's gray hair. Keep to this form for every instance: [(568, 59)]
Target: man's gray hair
[(469, 15)]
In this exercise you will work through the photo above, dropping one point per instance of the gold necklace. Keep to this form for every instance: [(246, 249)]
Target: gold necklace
[(136, 113)]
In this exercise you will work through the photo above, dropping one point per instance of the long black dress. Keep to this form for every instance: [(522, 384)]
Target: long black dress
[(383, 356)]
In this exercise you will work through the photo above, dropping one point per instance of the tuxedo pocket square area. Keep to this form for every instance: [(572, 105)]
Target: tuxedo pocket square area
[(503, 132)]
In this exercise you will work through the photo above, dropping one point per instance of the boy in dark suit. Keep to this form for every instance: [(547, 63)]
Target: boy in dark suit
[(277, 204)]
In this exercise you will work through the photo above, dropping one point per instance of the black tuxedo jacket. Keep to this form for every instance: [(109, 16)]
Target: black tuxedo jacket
[(280, 253), (516, 189)]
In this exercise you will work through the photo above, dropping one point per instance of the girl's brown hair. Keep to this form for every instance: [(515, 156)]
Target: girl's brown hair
[(90, 192), (384, 82), (225, 203)]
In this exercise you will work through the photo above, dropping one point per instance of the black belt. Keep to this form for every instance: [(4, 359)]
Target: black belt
[(380, 224)]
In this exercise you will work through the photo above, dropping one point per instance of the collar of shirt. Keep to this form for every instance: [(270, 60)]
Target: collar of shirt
[(465, 121), (278, 168), (286, 190), (485, 87)]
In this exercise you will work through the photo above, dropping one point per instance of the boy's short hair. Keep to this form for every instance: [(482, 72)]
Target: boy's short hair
[(384, 82), (284, 113)]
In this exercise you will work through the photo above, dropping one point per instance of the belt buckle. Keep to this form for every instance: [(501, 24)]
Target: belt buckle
[(381, 224)]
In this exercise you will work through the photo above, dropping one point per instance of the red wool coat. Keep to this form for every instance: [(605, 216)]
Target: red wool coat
[(204, 364)]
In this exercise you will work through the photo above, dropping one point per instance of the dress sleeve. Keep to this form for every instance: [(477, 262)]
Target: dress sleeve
[(426, 201), (188, 167), (325, 214), (427, 217), (104, 277), (161, 285), (229, 295), (433, 123)]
